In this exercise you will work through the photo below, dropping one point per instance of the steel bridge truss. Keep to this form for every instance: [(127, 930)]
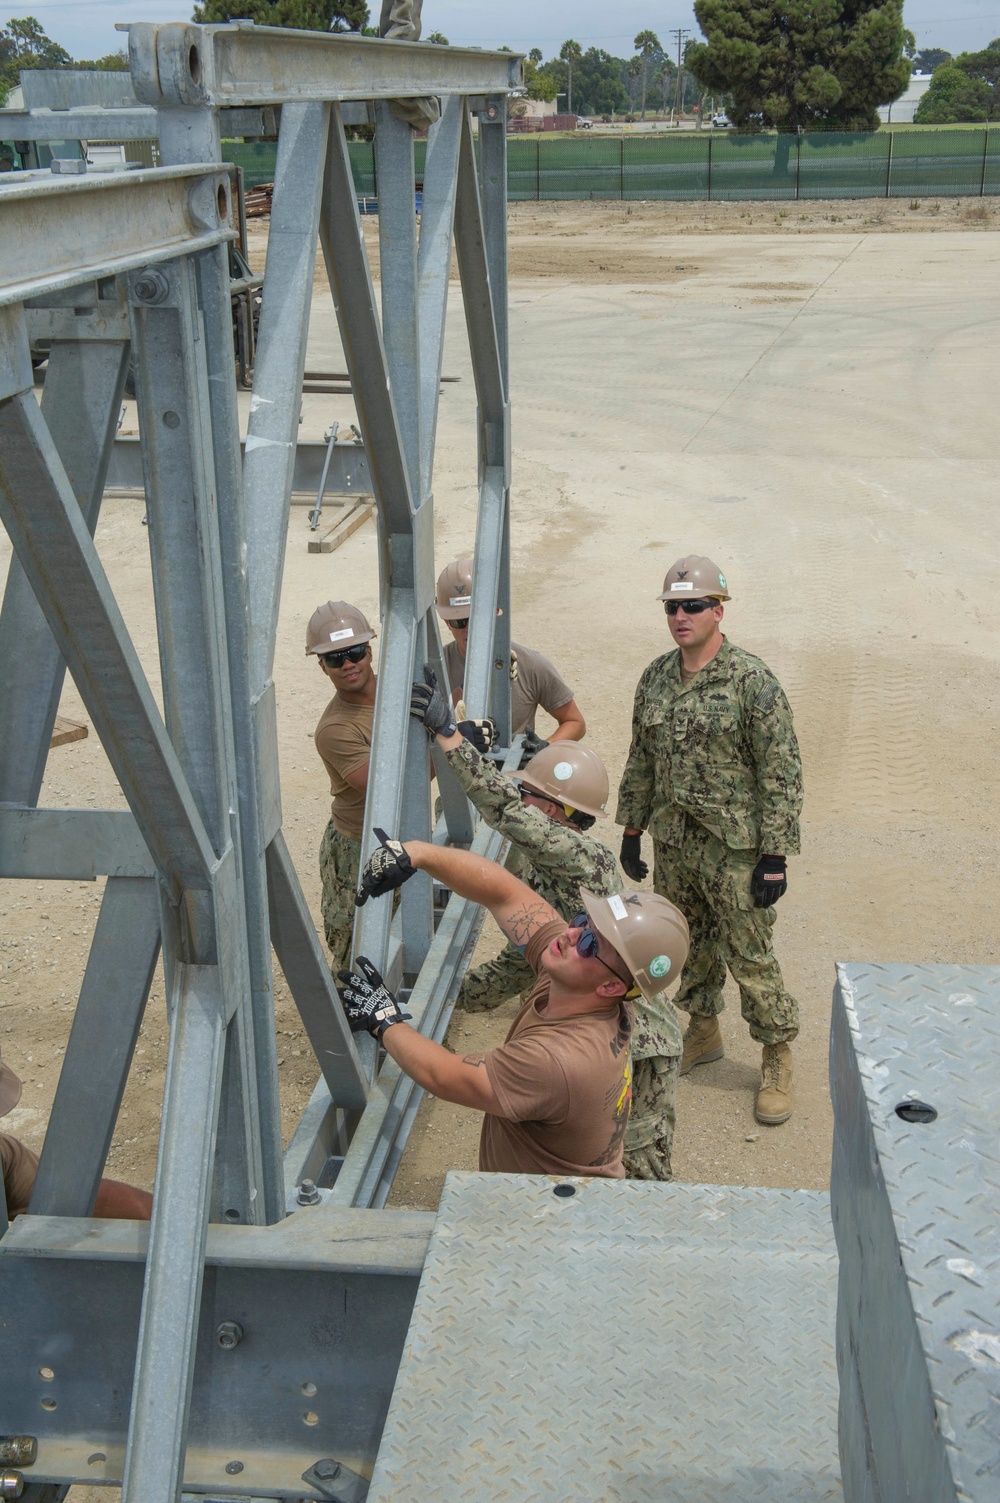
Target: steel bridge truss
[(243, 1351)]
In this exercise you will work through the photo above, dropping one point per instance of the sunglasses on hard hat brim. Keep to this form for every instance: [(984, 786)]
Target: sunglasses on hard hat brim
[(346, 655)]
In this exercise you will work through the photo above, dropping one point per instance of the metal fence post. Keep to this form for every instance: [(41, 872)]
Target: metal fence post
[(621, 170), (888, 166), (709, 169), (986, 147), (538, 169), (798, 163)]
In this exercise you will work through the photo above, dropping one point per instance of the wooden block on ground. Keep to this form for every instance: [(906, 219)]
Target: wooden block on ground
[(326, 542), (68, 730)]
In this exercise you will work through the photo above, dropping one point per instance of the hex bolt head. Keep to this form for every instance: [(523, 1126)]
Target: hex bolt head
[(234, 1468), (327, 1469), (151, 286), (308, 1194), (229, 1335)]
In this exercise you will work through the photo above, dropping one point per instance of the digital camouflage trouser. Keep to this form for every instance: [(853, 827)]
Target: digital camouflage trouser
[(711, 886), (649, 1137), (486, 986), (339, 858)]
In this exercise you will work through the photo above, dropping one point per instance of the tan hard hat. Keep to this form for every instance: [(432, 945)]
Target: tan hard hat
[(694, 578), (10, 1090), (648, 932), (454, 591), (570, 774), (336, 625)]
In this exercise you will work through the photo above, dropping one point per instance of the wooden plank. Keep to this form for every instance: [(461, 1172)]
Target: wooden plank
[(66, 730), (327, 541)]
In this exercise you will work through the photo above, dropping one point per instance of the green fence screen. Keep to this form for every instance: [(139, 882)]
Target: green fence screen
[(830, 164)]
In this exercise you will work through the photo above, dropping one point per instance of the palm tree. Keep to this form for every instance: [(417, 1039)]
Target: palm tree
[(633, 68), (646, 43), (571, 52)]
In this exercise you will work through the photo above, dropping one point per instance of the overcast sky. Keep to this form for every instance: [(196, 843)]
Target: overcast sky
[(86, 27)]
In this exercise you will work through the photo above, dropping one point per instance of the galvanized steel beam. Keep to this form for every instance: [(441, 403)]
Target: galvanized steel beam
[(347, 475), (241, 64), (61, 231), (128, 123), (99, 1053), (80, 405)]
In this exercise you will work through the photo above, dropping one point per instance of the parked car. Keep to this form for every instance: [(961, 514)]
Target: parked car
[(582, 124), (721, 121)]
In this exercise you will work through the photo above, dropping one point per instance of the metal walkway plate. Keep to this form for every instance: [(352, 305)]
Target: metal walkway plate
[(626, 1343), (915, 1076)]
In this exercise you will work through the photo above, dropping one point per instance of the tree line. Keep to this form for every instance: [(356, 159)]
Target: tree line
[(783, 65)]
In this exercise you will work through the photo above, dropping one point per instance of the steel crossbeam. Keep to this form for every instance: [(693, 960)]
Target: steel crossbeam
[(241, 64), (124, 219), (134, 266)]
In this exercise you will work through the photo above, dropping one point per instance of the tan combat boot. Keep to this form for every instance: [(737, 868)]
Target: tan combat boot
[(774, 1099), (702, 1042)]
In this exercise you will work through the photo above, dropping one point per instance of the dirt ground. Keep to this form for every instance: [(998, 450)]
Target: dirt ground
[(806, 393)]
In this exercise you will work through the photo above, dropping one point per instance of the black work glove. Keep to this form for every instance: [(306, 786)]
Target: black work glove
[(631, 858), (533, 744), (769, 881), (385, 870), (369, 1005), (429, 704), (482, 733)]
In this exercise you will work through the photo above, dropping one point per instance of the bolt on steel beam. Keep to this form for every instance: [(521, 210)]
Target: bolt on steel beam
[(59, 232)]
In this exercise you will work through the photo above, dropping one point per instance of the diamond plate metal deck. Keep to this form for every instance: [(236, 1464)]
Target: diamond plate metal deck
[(630, 1343), (916, 1209)]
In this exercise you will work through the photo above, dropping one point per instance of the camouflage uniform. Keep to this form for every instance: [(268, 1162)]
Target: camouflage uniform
[(557, 861), (714, 775), (339, 859)]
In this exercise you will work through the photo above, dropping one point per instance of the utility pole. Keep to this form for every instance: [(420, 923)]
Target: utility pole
[(680, 32)]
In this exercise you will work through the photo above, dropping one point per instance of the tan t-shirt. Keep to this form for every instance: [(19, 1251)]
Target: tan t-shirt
[(564, 1086), (344, 741), (20, 1167), (537, 683)]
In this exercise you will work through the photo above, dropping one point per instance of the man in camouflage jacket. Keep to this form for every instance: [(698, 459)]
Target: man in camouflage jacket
[(539, 811), (714, 775)]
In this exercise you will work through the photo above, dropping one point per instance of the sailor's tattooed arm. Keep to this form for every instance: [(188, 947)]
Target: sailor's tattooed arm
[(522, 922), (516, 907)]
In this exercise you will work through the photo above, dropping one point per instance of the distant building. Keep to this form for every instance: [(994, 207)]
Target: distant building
[(903, 109)]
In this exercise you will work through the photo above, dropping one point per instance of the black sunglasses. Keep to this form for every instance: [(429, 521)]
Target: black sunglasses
[(587, 945), (460, 625), (349, 655), (689, 607)]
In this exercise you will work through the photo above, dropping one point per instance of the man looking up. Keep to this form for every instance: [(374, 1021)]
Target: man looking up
[(340, 637), (546, 811), (556, 1093), (534, 680), (714, 774)]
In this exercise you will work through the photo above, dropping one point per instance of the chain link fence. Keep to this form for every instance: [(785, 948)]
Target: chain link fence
[(827, 165)]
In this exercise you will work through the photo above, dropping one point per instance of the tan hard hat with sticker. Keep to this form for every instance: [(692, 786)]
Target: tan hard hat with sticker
[(453, 596), (694, 577), (570, 774), (649, 933), (336, 625)]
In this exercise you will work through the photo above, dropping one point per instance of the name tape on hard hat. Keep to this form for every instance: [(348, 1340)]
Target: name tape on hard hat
[(659, 965), (563, 771), (681, 584), (617, 907), (338, 636), (460, 600)]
